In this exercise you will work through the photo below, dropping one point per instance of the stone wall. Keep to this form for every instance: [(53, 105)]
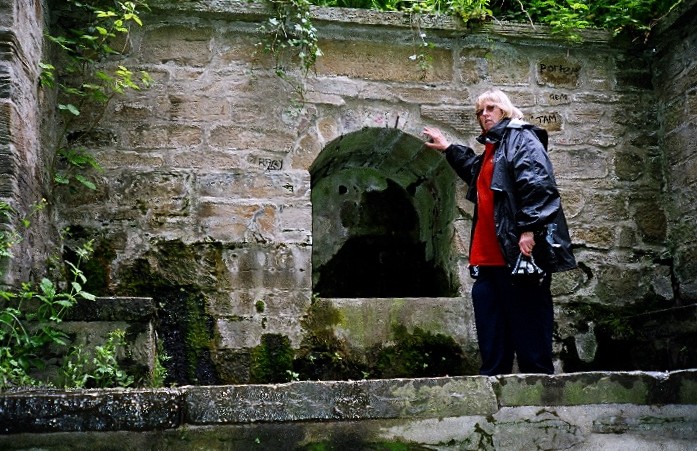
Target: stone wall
[(675, 78), (23, 181), (207, 200), (225, 198)]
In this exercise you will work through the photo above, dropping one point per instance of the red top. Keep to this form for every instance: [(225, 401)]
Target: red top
[(485, 250)]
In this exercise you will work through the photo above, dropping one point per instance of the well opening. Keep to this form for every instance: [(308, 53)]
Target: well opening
[(382, 210)]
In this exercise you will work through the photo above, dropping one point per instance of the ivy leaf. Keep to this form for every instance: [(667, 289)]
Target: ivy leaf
[(85, 181), (69, 107), (61, 179)]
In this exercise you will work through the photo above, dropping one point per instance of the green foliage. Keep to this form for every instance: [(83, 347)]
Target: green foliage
[(291, 31), (107, 372), (28, 320), (101, 370), (289, 35), (87, 41), (159, 372), (30, 315), (634, 17)]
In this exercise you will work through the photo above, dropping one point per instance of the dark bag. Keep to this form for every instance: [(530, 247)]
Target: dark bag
[(525, 271)]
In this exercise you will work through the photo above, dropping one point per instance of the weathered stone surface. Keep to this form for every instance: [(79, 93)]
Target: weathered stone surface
[(301, 401), (189, 46), (368, 322), (585, 411), (580, 388), (559, 72), (382, 61), (90, 410), (113, 309)]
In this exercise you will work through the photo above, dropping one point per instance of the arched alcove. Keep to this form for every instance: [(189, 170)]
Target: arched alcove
[(382, 210)]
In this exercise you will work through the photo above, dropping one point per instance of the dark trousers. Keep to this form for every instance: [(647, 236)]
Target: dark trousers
[(512, 319)]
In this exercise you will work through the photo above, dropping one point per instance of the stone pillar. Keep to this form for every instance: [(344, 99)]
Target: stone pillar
[(21, 166)]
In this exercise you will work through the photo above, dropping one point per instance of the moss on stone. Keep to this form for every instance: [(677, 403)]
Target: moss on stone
[(419, 354), (182, 321), (323, 356), (260, 306), (272, 360)]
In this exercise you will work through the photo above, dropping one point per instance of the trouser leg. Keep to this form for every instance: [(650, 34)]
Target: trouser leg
[(513, 319), (495, 341), (532, 325)]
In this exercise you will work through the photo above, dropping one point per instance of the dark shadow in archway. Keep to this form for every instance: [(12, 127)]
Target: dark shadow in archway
[(383, 206)]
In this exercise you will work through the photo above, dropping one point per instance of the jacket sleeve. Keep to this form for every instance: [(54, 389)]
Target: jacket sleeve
[(535, 186), (464, 161)]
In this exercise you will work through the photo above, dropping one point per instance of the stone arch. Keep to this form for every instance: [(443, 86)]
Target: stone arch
[(382, 211)]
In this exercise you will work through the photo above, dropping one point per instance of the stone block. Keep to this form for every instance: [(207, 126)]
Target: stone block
[(382, 61), (437, 95), (580, 164), (128, 309), (161, 193), (250, 138), (112, 160), (260, 301), (555, 97), (182, 45), (678, 145), (369, 322), (558, 71), (460, 118), (302, 401), (508, 67), (650, 217), (594, 236), (551, 121), (197, 107), (238, 333), (685, 174), (255, 185), (90, 410), (578, 389), (237, 221), (162, 136), (683, 388), (203, 160), (283, 267)]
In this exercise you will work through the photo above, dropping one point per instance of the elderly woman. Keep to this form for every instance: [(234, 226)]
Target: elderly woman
[(518, 214)]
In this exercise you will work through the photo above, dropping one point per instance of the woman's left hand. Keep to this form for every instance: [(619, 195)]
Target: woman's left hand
[(526, 243)]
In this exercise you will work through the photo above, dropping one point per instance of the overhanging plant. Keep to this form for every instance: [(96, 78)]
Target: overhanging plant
[(92, 37)]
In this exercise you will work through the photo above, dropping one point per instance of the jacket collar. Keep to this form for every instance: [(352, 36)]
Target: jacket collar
[(495, 134)]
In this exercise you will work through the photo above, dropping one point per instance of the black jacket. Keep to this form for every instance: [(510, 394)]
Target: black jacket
[(525, 192)]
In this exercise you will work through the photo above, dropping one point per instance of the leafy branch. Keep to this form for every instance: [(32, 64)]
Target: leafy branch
[(86, 44), (291, 34)]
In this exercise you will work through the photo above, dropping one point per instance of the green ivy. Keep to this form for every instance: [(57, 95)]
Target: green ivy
[(291, 32), (87, 76)]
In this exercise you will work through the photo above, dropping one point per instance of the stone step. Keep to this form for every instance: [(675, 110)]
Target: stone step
[(583, 410)]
